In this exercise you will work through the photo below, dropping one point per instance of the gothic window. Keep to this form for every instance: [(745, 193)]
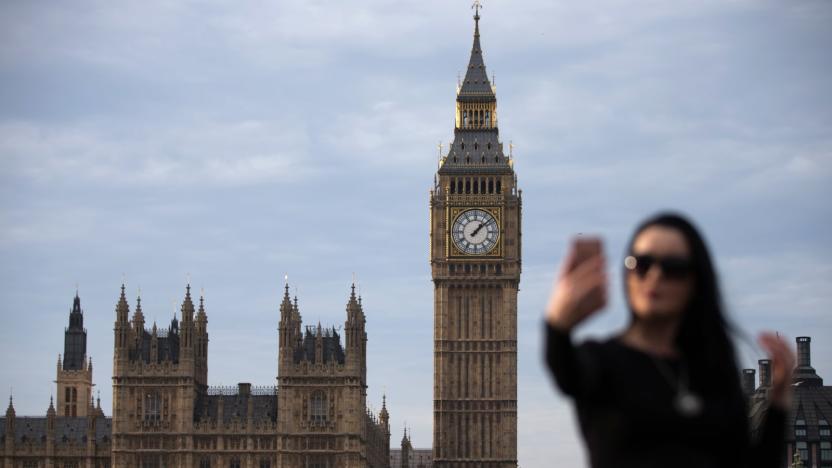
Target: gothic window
[(800, 428), (234, 463), (152, 401), (318, 404), (499, 187), (265, 463), (490, 185), (30, 464), (825, 450), (465, 119), (205, 463), (803, 449), (488, 122), (823, 428)]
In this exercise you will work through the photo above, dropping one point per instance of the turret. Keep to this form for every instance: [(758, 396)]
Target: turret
[(122, 328), (10, 421), (407, 447), (154, 344), (138, 324), (75, 338), (287, 327), (187, 327), (201, 343), (384, 416), (356, 336), (50, 417), (74, 373), (319, 345)]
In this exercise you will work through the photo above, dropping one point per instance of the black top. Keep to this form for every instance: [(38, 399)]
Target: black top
[(624, 399)]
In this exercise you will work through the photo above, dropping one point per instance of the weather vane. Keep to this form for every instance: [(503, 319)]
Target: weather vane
[(476, 6)]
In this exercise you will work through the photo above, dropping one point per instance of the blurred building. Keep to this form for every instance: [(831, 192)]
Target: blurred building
[(808, 439)]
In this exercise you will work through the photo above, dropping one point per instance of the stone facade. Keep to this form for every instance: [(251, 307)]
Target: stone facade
[(166, 415), (409, 457), (475, 211), (76, 434)]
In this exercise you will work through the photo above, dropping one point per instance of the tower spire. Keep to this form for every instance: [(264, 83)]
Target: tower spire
[(476, 81)]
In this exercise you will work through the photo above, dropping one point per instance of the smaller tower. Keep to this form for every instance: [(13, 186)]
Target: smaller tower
[(407, 448), (356, 336), (10, 421), (74, 376)]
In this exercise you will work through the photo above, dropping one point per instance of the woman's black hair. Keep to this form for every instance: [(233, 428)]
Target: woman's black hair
[(703, 336)]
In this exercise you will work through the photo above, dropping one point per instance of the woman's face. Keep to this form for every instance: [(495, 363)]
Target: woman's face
[(655, 294)]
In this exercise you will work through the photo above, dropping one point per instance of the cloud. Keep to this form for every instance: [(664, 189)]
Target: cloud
[(196, 153)]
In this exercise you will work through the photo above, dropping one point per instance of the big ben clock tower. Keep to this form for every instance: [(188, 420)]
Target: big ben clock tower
[(475, 211)]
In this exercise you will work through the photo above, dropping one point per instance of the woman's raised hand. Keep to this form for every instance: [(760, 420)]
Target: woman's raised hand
[(579, 290), (782, 367)]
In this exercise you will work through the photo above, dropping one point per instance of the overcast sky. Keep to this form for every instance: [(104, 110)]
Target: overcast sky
[(241, 141)]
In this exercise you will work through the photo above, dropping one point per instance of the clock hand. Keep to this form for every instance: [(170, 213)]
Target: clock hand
[(477, 229)]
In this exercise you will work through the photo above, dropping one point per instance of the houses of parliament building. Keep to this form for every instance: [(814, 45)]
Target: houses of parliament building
[(164, 413)]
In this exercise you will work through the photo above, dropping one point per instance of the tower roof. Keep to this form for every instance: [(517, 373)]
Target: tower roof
[(476, 147), (476, 85)]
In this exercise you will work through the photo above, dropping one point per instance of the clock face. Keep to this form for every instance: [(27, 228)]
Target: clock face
[(475, 232)]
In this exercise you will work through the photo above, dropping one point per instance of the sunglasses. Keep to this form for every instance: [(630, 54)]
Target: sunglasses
[(676, 268)]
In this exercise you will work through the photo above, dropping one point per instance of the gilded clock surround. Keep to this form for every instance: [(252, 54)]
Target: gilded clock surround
[(451, 249)]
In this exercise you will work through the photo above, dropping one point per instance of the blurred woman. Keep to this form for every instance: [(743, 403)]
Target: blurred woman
[(666, 390)]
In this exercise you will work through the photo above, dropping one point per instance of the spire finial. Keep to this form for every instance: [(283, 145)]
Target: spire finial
[(476, 6)]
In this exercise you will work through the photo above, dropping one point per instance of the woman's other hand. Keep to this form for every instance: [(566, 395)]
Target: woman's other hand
[(579, 290), (782, 367)]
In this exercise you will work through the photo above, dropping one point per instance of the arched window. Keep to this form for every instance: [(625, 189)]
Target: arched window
[(318, 405), (151, 407), (205, 462)]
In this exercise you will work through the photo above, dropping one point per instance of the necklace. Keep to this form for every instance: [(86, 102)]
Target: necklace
[(685, 402)]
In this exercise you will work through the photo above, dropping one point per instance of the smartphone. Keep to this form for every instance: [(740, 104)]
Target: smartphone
[(585, 248)]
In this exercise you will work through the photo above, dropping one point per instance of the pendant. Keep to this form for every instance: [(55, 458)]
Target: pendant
[(687, 404)]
